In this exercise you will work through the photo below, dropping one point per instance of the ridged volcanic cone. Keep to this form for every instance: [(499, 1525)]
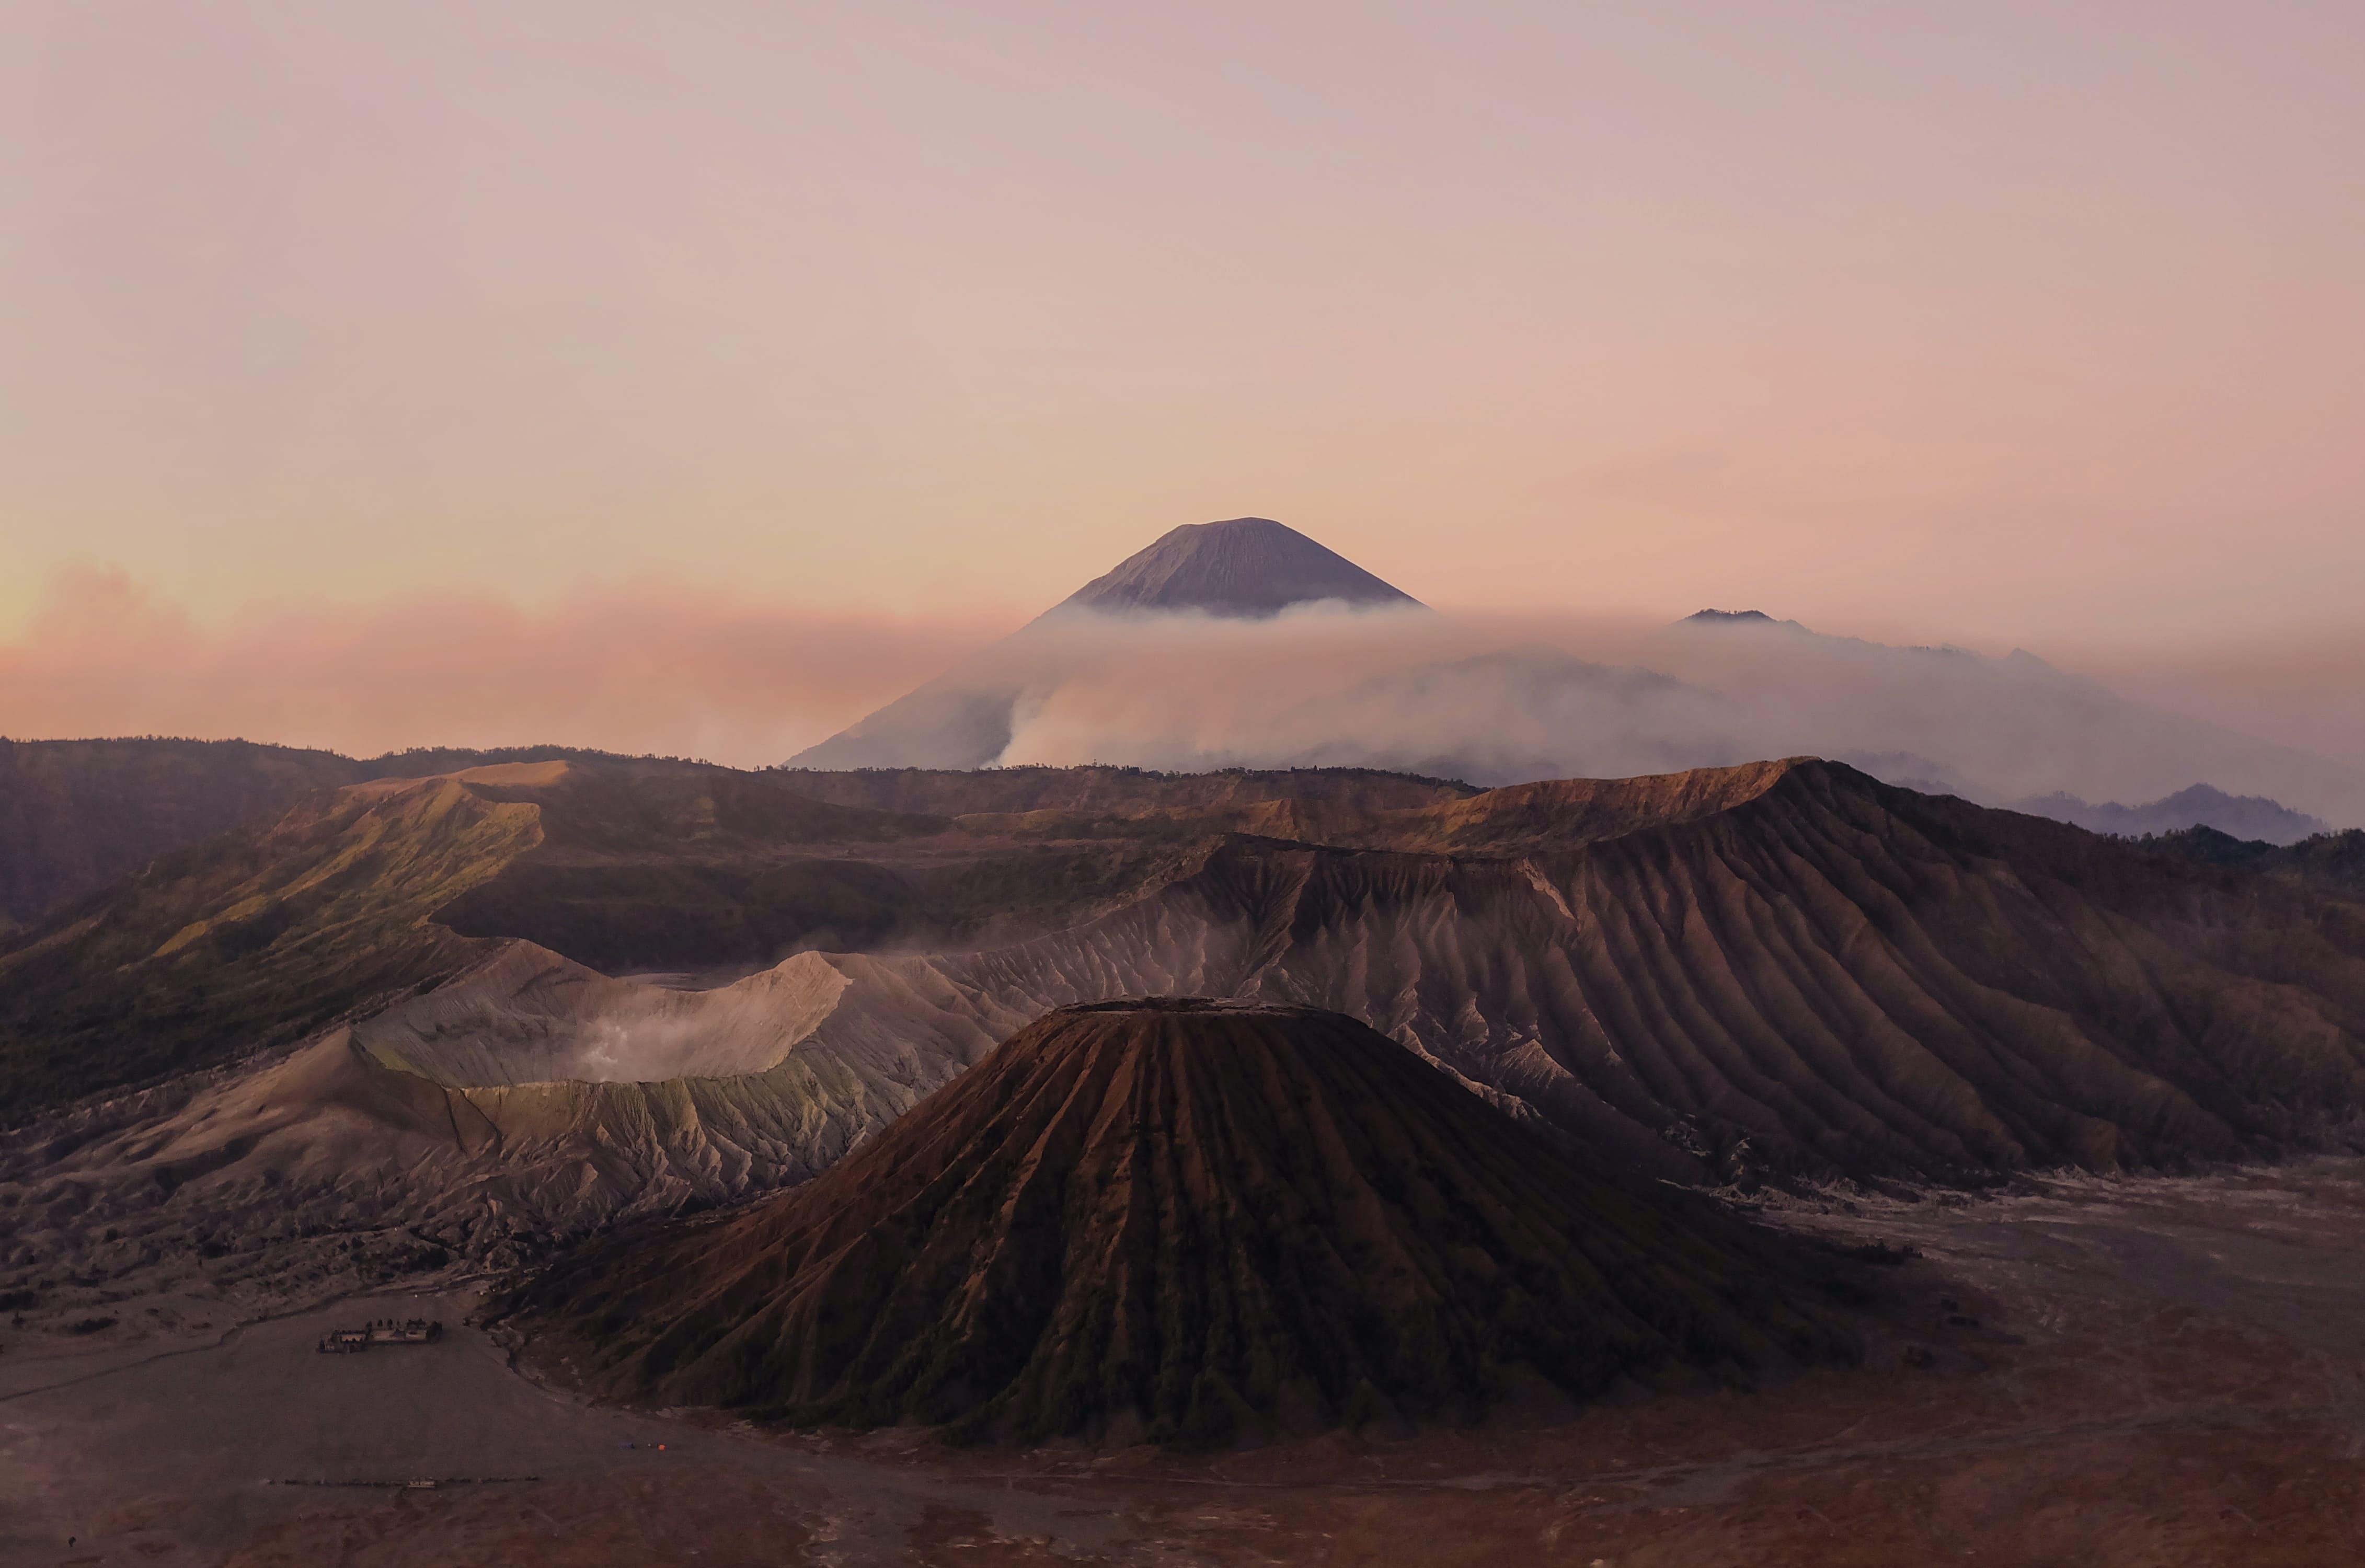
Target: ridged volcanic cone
[(1181, 1220)]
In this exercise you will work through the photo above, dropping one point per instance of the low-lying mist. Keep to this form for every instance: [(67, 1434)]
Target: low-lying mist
[(1494, 699), (657, 667), (1499, 703)]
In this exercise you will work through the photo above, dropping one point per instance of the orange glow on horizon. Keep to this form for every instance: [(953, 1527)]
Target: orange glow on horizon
[(2017, 324)]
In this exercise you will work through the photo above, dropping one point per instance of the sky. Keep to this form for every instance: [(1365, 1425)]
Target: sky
[(443, 345)]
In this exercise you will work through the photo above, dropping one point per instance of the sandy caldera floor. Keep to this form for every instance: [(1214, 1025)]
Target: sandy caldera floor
[(2163, 1371)]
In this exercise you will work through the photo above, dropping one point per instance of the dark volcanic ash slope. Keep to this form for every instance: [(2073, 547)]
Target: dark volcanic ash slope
[(1785, 968), (1782, 971), (1181, 1219)]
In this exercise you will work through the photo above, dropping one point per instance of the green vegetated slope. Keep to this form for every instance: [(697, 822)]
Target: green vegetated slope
[(1186, 1222), (254, 937), (75, 815)]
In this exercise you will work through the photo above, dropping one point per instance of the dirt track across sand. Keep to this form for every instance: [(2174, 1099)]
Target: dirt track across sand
[(2157, 1372)]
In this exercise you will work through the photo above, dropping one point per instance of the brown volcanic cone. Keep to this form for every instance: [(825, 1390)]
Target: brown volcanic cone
[(1180, 1218)]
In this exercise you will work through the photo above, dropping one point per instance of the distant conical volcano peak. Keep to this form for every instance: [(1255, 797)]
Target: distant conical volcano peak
[(1246, 567), (1733, 617)]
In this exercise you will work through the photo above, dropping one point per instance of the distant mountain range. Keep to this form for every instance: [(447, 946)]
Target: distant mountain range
[(2333, 862), (2246, 817)]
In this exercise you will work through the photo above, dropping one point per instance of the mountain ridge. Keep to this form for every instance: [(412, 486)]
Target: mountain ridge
[(2245, 817), (1785, 974), (1783, 970)]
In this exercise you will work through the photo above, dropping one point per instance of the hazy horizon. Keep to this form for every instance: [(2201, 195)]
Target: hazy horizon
[(666, 669), (356, 356)]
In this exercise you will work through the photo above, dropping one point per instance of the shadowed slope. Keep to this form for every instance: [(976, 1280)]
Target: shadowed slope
[(356, 896), (1116, 793), (1793, 968), (75, 815), (251, 939), (1784, 970), (2330, 862), (1181, 1219)]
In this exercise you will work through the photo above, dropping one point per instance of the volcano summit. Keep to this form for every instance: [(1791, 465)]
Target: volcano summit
[(1189, 1221), (1244, 643), (1245, 569)]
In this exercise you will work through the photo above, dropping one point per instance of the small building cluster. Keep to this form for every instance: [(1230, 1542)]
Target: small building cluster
[(380, 1332)]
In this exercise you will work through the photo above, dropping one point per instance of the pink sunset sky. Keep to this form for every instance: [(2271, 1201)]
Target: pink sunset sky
[(693, 377)]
